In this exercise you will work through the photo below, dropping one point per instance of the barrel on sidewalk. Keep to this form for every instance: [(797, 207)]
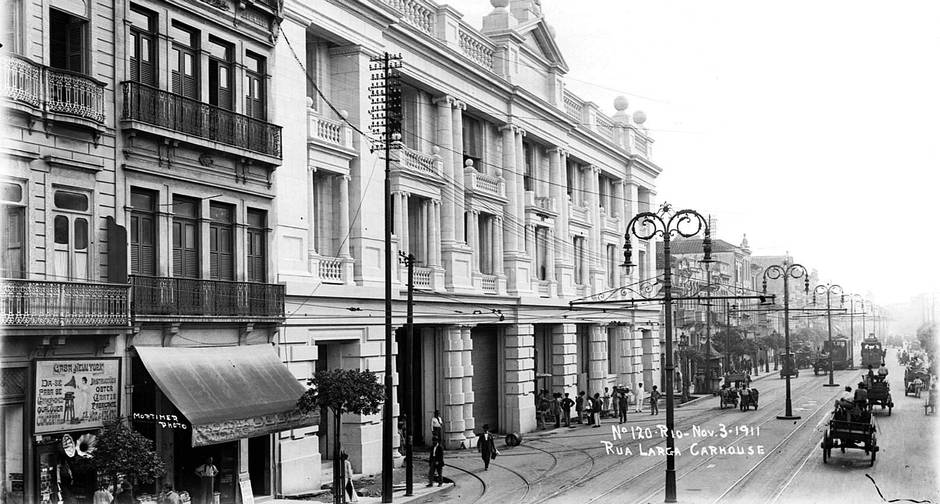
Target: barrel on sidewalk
[(513, 439)]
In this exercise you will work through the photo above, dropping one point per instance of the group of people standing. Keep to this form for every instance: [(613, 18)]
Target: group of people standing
[(590, 409)]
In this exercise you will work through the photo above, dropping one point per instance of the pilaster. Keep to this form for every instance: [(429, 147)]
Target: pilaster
[(564, 359), (597, 359), (564, 265), (467, 359), (519, 377), (445, 140), (454, 396)]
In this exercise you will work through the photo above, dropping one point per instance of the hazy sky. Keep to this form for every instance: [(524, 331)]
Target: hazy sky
[(811, 126)]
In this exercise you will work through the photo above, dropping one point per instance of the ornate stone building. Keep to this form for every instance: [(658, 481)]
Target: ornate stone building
[(511, 192)]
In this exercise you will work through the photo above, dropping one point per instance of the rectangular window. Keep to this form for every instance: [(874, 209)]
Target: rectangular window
[(257, 245), (254, 86), (220, 73), (569, 182), (603, 193), (143, 232), (221, 242), (579, 260), (184, 61), (486, 244), (185, 237), (473, 141), (541, 253), (66, 41), (142, 44), (13, 261), (529, 156)]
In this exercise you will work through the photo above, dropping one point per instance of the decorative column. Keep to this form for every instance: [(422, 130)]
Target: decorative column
[(519, 364), (597, 359), (454, 397), (496, 235), (564, 359), (436, 232), (595, 269), (510, 235), (473, 235), (312, 263), (550, 261), (445, 139), (467, 361), (520, 175), (459, 195)]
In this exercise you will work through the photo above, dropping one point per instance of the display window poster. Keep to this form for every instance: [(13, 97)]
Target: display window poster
[(74, 394)]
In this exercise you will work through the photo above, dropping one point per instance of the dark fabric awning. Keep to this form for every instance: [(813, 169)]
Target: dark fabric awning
[(228, 393)]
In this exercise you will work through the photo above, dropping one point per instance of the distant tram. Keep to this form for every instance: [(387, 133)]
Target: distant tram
[(872, 353), (838, 352)]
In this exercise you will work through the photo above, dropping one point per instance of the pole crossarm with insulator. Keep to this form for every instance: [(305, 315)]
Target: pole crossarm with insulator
[(665, 223), (787, 271)]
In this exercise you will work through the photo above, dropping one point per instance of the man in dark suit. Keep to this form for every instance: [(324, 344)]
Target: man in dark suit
[(486, 445), (436, 463)]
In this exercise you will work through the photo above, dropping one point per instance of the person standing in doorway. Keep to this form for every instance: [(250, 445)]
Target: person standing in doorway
[(486, 445), (624, 404), (436, 463), (207, 473), (437, 427), (654, 401), (639, 398), (566, 405)]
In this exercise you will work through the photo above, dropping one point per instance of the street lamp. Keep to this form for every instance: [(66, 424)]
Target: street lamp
[(828, 290), (646, 225), (853, 299), (786, 271)]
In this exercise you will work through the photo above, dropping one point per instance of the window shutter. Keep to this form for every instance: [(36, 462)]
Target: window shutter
[(147, 56), (76, 45)]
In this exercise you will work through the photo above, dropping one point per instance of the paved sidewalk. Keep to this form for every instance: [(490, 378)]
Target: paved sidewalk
[(398, 494)]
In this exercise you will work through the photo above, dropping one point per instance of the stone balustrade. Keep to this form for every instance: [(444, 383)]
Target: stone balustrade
[(477, 48)]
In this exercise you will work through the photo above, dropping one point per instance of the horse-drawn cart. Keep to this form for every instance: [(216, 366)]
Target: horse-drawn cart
[(852, 431), (915, 380), (879, 393)]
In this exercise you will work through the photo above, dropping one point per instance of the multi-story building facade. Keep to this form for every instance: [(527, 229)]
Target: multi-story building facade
[(511, 192), (138, 249)]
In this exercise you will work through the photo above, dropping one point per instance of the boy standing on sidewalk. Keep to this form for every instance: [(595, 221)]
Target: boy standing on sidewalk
[(654, 401)]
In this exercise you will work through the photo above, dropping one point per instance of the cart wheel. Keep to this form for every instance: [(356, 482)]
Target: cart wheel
[(889, 410), (825, 456), (873, 452)]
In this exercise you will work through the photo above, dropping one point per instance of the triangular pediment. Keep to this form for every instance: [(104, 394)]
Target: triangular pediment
[(538, 39)]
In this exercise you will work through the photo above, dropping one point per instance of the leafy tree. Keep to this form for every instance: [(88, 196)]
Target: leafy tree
[(122, 450), (342, 391), (927, 336)]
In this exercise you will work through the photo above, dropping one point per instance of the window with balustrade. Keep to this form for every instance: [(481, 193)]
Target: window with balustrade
[(473, 141), (70, 223), (185, 225), (604, 193), (529, 156), (327, 235), (419, 228), (486, 255), (541, 252), (13, 208), (221, 63), (255, 77), (221, 241)]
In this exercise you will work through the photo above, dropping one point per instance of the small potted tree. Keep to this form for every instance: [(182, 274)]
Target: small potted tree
[(342, 391), (119, 449)]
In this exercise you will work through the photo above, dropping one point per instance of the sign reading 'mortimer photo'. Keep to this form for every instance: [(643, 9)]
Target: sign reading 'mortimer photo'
[(76, 394)]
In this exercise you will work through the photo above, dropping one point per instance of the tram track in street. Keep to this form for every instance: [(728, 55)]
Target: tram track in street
[(475, 477)]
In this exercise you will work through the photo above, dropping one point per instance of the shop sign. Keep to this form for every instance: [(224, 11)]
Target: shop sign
[(164, 421), (231, 430), (76, 394)]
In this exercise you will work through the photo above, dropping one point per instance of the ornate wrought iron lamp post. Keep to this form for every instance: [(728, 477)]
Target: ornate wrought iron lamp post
[(828, 290), (646, 225), (786, 271)]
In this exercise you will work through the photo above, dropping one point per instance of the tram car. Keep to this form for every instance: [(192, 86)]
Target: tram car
[(872, 353), (838, 351)]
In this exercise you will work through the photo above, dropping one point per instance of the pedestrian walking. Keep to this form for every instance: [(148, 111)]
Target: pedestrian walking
[(486, 445), (437, 427), (596, 411), (556, 409), (579, 407), (639, 398), (348, 487), (566, 405), (436, 463), (624, 400), (654, 401)]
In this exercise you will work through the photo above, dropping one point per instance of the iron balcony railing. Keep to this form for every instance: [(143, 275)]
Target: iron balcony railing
[(51, 89), (39, 303), (164, 109), (167, 296)]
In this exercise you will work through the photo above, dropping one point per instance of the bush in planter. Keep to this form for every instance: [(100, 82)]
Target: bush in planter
[(122, 450)]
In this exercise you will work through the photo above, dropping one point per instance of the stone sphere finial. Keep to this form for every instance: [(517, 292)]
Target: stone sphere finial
[(435, 150), (639, 117), (621, 103), (499, 4), (468, 163), (344, 114), (309, 101)]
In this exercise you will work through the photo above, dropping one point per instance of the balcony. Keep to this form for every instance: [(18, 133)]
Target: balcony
[(35, 303), (200, 121), (327, 132), (610, 224), (580, 214), (490, 284), (55, 93), (164, 297), (481, 184), (540, 205), (422, 277)]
